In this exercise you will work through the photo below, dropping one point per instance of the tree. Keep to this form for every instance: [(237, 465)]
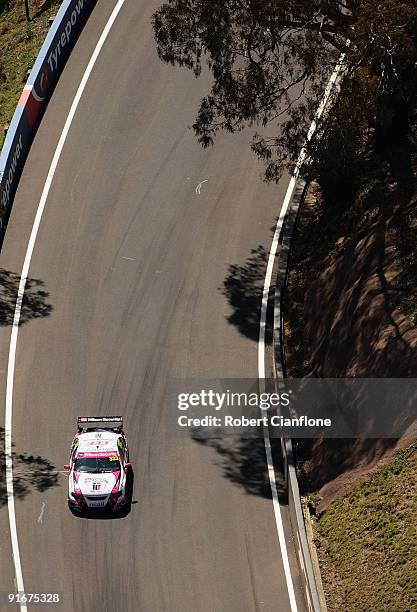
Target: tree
[(271, 59), (27, 14)]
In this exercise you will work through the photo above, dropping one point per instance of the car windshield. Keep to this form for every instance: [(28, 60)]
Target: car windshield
[(97, 464)]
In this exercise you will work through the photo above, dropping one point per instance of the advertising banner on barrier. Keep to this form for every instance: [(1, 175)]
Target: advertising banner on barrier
[(45, 73)]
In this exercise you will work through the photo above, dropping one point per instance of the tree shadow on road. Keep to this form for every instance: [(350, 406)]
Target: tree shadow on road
[(243, 462), (243, 288), (30, 473), (34, 304)]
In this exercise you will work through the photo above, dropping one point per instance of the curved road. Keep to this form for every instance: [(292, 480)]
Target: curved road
[(132, 263)]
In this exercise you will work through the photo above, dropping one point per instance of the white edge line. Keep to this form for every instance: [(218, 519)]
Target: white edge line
[(20, 294), (262, 325)]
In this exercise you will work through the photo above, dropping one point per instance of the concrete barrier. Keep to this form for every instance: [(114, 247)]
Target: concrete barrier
[(43, 77), (314, 601)]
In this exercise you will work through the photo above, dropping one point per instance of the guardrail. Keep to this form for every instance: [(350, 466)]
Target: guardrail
[(315, 603), (58, 44)]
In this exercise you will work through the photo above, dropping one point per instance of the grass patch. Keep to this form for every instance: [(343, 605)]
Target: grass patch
[(20, 42), (367, 542)]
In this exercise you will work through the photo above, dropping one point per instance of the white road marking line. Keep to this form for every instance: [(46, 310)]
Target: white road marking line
[(40, 517), (198, 188), (129, 258), (262, 327), (20, 294)]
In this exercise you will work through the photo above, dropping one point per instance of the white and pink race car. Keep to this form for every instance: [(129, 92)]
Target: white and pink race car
[(99, 467)]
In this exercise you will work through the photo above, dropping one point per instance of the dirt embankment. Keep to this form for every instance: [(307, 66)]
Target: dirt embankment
[(351, 303)]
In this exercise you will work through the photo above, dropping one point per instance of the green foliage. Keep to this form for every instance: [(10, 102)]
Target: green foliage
[(367, 541), (271, 59)]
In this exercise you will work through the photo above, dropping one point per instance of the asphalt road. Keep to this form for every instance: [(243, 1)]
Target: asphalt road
[(132, 264)]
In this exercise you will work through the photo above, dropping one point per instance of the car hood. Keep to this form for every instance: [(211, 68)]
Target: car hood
[(97, 484)]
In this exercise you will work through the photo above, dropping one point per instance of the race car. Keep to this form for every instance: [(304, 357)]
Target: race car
[(99, 467)]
